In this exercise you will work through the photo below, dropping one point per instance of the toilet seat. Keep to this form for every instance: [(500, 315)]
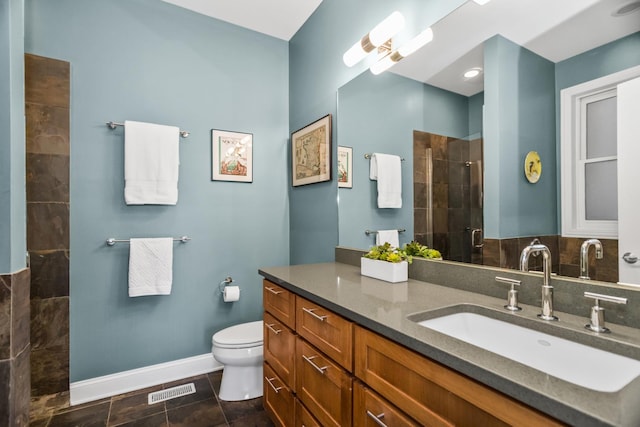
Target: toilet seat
[(239, 336)]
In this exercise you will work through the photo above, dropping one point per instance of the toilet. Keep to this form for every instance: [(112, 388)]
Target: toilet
[(239, 348)]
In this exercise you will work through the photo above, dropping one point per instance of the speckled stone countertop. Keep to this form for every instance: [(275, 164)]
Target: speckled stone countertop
[(383, 307)]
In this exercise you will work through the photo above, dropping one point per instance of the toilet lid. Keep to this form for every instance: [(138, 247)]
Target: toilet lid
[(242, 335)]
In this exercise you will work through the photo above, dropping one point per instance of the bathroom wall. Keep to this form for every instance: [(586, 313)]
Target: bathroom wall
[(12, 192), (150, 61), (316, 72), (47, 93), (519, 117)]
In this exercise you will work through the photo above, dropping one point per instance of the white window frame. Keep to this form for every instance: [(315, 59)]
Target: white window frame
[(572, 186)]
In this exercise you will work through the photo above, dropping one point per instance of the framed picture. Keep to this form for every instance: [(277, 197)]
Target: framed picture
[(345, 167), (231, 156), (311, 153)]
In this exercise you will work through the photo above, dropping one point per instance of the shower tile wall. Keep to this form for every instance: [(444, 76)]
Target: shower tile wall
[(453, 209), (14, 349), (47, 90)]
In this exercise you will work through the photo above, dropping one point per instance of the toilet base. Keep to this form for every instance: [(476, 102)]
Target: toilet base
[(241, 383)]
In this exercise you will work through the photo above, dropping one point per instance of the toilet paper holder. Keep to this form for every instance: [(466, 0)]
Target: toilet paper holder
[(224, 283)]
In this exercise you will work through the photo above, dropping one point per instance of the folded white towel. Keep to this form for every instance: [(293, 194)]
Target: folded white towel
[(151, 160), (150, 266), (390, 236), (387, 169)]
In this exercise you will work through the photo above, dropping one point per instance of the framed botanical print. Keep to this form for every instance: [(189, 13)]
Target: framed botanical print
[(231, 156), (345, 167), (311, 153)]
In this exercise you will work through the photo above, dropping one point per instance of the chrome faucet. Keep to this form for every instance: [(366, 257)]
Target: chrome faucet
[(547, 289), (584, 256)]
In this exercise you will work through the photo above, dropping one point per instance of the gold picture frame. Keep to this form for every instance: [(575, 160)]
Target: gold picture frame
[(311, 153), (231, 156)]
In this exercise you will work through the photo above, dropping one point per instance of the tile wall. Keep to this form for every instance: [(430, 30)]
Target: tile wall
[(47, 93), (14, 349)]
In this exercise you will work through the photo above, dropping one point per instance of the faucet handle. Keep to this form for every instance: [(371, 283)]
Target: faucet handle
[(512, 296), (596, 320)]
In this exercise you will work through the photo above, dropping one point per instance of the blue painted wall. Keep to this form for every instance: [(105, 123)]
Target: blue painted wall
[(520, 117), (150, 61), (316, 72), (12, 147)]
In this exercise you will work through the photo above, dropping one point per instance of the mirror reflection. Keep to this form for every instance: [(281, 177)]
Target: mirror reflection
[(464, 145)]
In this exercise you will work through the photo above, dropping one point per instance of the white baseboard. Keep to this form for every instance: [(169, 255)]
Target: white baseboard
[(135, 379)]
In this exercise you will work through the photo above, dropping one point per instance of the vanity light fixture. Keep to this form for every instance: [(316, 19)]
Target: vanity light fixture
[(482, 2), (402, 52), (381, 33)]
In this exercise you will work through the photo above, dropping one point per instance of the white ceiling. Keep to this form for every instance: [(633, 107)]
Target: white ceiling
[(554, 29), (276, 18)]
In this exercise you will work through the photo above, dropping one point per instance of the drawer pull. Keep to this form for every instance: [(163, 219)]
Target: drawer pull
[(276, 389), (273, 291), (310, 311), (377, 418), (320, 369), (274, 330)]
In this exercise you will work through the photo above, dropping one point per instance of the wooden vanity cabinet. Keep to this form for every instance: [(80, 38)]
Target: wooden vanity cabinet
[(278, 399), (433, 394)]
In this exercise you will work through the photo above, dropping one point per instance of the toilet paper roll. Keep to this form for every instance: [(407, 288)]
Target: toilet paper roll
[(231, 293)]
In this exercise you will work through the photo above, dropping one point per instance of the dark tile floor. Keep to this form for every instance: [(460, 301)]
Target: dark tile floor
[(200, 409)]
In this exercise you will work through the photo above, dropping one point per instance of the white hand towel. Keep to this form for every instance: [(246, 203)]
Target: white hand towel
[(387, 169), (150, 266), (390, 236), (151, 160)]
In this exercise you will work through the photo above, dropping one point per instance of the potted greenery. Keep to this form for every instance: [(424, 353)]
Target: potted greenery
[(415, 249), (386, 263)]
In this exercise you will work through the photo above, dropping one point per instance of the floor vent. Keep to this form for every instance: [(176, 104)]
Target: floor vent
[(171, 393)]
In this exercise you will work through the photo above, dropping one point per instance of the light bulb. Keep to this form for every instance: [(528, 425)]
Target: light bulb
[(388, 28), (380, 34), (382, 65), (416, 43)]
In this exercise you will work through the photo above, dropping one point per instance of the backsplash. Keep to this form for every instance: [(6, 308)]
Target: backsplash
[(568, 292)]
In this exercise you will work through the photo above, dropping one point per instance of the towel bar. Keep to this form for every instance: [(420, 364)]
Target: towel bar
[(367, 232), (368, 156), (111, 241), (113, 125)]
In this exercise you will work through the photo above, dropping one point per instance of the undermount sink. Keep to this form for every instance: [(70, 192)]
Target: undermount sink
[(568, 360)]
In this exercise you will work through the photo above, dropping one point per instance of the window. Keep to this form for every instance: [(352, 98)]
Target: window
[(588, 138)]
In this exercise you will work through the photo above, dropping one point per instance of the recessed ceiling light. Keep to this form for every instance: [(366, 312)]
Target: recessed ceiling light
[(627, 9), (473, 72)]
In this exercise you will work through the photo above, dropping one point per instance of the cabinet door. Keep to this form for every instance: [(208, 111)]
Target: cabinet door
[(322, 386), (279, 349), (432, 393), (304, 418), (371, 410), (279, 302), (329, 332), (278, 399)]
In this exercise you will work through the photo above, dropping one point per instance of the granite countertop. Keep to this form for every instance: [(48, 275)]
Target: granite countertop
[(383, 307)]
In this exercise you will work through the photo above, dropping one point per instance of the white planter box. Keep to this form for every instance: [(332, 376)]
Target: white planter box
[(388, 271)]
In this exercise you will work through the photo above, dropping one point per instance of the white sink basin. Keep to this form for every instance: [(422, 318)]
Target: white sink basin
[(570, 361)]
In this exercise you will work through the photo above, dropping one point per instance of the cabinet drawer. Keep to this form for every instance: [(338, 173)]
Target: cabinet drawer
[(304, 418), (329, 332), (431, 393), (278, 399), (371, 410), (322, 386), (279, 302), (279, 349)]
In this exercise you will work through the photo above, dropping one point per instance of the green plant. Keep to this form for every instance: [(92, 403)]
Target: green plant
[(416, 249), (388, 253)]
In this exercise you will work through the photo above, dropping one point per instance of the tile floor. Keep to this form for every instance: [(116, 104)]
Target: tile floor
[(200, 409)]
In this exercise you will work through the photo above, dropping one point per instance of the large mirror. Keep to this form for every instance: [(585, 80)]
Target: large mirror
[(464, 141)]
